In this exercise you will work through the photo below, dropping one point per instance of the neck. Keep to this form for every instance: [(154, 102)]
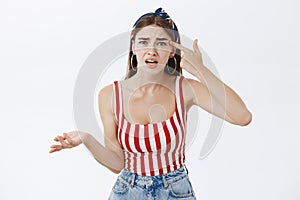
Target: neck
[(151, 80)]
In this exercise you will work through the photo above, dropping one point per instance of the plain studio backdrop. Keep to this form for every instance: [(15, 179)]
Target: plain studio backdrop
[(254, 45)]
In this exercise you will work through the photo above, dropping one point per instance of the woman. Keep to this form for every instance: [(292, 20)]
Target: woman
[(145, 121)]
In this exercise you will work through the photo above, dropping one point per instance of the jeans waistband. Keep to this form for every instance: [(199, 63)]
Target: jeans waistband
[(153, 181)]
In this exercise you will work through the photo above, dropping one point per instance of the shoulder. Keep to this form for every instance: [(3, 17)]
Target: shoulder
[(107, 91), (186, 80), (189, 84), (105, 97), (191, 87)]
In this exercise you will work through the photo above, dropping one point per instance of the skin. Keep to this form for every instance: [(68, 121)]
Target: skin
[(148, 96)]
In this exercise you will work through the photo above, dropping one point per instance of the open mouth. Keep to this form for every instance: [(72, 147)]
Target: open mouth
[(150, 61)]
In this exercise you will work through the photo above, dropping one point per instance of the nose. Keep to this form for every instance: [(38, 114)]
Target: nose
[(151, 49), (151, 52)]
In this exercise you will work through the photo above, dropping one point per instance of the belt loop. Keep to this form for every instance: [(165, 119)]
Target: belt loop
[(133, 179), (166, 184)]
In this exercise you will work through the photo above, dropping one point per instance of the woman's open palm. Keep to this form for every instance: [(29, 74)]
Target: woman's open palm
[(67, 140)]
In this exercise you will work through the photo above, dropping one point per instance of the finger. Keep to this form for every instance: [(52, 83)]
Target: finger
[(56, 146), (195, 45), (180, 47), (54, 150), (57, 138)]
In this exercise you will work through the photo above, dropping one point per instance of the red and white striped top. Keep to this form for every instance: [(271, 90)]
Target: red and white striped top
[(155, 148)]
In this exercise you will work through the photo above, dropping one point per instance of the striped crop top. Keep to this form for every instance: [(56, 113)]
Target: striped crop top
[(155, 148)]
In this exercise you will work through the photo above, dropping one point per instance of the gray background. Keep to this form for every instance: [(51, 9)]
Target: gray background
[(254, 45)]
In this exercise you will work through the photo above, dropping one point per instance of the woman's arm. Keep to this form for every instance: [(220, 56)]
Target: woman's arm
[(109, 158), (211, 93), (111, 155)]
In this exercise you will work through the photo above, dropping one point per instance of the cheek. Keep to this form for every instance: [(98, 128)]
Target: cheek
[(139, 56), (139, 48), (165, 54)]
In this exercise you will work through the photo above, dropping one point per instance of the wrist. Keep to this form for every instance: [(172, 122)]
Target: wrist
[(83, 136)]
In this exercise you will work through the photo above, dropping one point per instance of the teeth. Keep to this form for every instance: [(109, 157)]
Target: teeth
[(151, 61)]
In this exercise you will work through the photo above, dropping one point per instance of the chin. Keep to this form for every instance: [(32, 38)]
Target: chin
[(152, 69)]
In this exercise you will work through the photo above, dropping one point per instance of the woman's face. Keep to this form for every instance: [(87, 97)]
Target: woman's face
[(151, 47)]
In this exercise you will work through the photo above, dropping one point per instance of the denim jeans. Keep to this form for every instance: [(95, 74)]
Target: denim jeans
[(170, 186)]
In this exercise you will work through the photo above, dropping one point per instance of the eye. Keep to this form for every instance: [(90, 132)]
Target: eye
[(142, 42), (161, 43)]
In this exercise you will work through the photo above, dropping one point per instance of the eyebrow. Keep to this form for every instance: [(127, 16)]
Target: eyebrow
[(160, 39)]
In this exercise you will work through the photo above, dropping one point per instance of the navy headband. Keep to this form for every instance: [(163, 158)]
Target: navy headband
[(160, 12)]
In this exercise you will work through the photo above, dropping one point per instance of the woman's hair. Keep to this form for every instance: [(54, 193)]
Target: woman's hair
[(162, 19)]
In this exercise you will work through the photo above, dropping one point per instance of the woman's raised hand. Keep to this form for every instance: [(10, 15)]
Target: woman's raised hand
[(191, 60), (67, 140)]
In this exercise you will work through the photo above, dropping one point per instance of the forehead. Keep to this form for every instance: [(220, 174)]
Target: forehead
[(152, 31)]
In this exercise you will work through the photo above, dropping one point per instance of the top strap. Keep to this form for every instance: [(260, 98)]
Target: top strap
[(179, 99), (117, 100)]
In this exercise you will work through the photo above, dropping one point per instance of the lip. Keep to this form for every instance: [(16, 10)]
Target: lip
[(153, 59), (151, 65)]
